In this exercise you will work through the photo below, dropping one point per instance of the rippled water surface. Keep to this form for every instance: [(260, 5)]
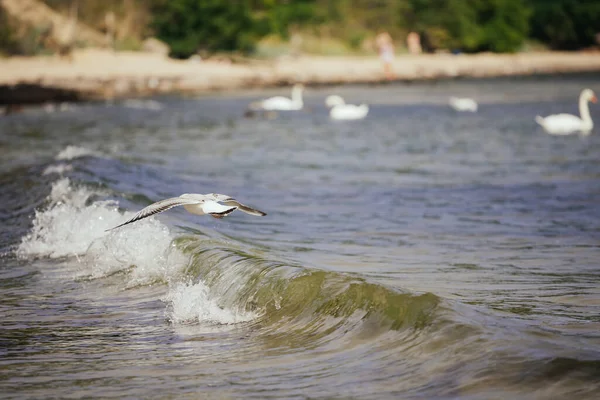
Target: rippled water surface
[(419, 253)]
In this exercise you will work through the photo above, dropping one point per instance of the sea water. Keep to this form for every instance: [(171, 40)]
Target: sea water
[(418, 253)]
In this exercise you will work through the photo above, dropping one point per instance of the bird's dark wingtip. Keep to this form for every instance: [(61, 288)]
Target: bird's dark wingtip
[(220, 215), (118, 226)]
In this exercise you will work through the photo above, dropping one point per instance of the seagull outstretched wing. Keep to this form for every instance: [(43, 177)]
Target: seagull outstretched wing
[(159, 207)]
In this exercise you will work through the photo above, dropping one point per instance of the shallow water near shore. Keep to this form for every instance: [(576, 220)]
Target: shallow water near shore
[(419, 253)]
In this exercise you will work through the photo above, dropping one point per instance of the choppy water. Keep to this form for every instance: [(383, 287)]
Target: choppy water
[(419, 253)]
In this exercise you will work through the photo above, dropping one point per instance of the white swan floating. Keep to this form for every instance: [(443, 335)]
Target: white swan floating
[(566, 124), (199, 204), (342, 111), (281, 103), (463, 104)]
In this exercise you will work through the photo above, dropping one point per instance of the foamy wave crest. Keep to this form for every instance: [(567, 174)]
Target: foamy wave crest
[(67, 226), (146, 250), (72, 226), (59, 169), (70, 152), (192, 303), (62, 192)]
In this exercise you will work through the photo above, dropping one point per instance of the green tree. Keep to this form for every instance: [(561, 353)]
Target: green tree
[(280, 15), (211, 25), (565, 24), (444, 24), (470, 25), (8, 43), (505, 25)]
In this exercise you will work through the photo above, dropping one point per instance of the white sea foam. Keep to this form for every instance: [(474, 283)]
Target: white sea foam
[(193, 303), (74, 226), (71, 225), (62, 192), (58, 169), (67, 226), (71, 152), (146, 247)]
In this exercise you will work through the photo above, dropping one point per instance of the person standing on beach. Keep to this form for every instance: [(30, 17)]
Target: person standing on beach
[(385, 47), (413, 42)]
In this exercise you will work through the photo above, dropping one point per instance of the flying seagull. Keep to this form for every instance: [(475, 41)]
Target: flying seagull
[(213, 204)]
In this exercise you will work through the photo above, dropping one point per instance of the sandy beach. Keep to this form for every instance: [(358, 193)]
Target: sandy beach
[(100, 74)]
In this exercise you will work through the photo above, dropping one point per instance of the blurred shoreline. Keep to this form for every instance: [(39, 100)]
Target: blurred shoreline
[(93, 74)]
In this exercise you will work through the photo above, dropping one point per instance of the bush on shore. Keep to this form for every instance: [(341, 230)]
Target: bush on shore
[(213, 26)]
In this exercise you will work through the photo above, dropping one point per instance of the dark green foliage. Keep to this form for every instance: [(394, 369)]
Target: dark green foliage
[(285, 13), (462, 25), (470, 25), (7, 40), (189, 26), (505, 25), (565, 24)]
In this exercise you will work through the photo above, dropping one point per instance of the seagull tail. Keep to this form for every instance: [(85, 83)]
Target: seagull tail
[(251, 211)]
